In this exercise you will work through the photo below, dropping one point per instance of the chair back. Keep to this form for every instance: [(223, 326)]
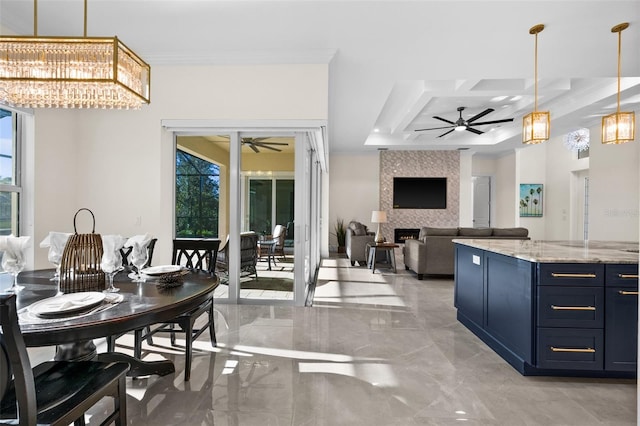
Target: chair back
[(199, 254), (279, 234), (15, 359)]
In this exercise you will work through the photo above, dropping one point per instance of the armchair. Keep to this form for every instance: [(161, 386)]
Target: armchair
[(248, 254), (356, 242)]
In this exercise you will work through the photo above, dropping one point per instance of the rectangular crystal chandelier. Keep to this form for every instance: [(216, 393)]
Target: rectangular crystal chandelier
[(60, 72)]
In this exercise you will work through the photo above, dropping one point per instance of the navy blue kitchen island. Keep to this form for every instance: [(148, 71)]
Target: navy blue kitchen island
[(554, 308)]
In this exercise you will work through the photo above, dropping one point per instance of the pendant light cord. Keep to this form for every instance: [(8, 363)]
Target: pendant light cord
[(619, 65), (35, 18), (535, 73)]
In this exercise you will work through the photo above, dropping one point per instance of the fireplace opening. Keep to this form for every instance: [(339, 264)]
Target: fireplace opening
[(402, 234)]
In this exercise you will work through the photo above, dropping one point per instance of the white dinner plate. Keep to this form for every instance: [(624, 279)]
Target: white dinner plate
[(153, 271), (66, 304)]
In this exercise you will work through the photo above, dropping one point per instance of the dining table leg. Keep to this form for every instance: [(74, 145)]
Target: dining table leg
[(86, 351), (137, 367)]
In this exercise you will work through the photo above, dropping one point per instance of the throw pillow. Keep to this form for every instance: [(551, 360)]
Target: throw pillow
[(358, 228)]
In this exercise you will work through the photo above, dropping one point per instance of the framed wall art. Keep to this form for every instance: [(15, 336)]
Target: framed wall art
[(531, 195)]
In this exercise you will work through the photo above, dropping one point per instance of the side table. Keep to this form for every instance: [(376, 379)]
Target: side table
[(387, 249)]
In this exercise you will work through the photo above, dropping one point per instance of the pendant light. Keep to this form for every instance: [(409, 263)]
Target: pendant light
[(71, 72), (619, 127), (535, 125)]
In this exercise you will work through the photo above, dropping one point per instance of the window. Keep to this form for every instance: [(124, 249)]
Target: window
[(197, 196), (10, 182)]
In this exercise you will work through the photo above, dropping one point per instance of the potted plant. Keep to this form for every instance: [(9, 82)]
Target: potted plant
[(341, 234)]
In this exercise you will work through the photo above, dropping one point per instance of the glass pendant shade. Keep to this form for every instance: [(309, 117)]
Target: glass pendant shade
[(618, 128), (63, 72), (535, 127), (537, 124)]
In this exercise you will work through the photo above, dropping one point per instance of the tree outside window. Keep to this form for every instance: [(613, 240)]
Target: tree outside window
[(197, 197)]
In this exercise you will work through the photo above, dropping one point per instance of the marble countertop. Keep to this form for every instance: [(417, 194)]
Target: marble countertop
[(543, 251)]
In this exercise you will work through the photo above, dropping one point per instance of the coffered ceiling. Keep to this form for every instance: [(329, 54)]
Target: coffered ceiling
[(393, 65)]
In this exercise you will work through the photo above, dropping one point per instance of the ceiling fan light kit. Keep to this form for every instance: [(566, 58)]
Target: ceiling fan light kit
[(618, 127), (537, 124)]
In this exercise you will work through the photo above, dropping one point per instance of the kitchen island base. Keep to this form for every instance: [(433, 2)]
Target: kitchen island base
[(550, 316)]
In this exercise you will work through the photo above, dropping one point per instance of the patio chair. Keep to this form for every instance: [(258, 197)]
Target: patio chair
[(248, 254)]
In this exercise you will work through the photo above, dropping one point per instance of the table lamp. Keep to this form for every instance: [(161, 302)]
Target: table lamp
[(379, 217)]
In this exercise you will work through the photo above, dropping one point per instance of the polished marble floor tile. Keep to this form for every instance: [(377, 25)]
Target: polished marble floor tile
[(375, 349)]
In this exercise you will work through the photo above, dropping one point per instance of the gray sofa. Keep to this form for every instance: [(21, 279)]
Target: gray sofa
[(356, 242), (433, 252)]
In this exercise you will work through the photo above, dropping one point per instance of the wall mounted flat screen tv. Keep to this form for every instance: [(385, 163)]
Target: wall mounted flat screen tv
[(419, 192)]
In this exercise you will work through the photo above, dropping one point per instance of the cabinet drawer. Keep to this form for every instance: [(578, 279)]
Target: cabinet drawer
[(581, 307), (621, 275), (570, 349), (580, 274)]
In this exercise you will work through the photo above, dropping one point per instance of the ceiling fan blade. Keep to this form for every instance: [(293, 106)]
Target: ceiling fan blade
[(492, 122), (268, 147), (443, 119), (433, 128), (271, 143), (472, 130), (253, 147), (446, 133), (480, 115)]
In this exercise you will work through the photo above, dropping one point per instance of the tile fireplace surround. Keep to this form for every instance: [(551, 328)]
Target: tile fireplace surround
[(419, 164)]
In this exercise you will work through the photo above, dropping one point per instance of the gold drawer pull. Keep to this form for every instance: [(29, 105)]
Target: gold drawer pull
[(628, 293), (563, 275), (635, 276), (573, 308), (585, 350)]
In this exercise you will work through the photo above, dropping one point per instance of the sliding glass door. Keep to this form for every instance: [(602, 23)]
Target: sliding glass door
[(246, 188), (270, 202)]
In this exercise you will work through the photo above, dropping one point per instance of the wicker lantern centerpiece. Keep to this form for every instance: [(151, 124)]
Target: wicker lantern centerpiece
[(80, 266)]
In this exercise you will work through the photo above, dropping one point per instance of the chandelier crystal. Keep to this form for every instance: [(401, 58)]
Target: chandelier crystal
[(71, 72)]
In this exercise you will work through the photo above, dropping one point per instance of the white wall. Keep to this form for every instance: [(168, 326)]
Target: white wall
[(613, 189), (466, 190), (506, 190), (533, 169), (120, 163), (354, 181), (559, 212)]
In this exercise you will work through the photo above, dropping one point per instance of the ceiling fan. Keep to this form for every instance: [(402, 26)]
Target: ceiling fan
[(461, 124), (256, 143)]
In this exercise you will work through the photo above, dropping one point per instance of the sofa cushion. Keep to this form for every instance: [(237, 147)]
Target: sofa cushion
[(510, 232), (427, 231), (358, 228), (475, 232)]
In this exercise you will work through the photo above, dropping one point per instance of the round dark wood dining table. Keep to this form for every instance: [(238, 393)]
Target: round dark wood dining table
[(143, 304)]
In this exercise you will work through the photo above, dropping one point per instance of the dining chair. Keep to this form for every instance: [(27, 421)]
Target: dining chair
[(54, 392), (126, 251), (194, 254)]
